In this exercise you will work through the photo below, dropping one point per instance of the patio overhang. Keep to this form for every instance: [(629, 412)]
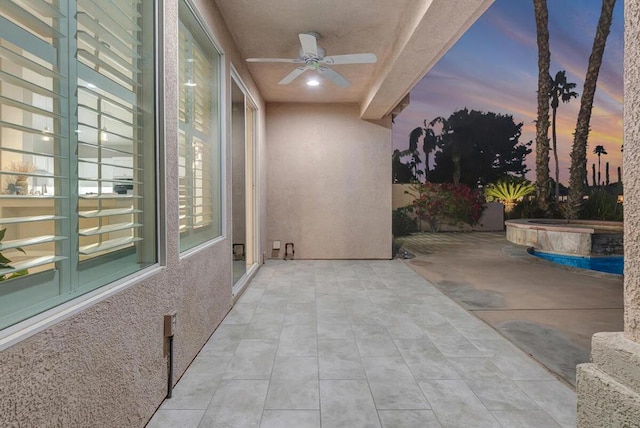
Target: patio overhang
[(407, 36)]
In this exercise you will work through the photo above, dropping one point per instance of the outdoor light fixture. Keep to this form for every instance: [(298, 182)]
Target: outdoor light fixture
[(313, 82)]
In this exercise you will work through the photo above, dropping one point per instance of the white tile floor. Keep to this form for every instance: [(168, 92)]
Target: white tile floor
[(359, 344)]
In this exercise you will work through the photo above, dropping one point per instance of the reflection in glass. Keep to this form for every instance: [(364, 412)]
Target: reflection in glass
[(77, 149), (199, 135), (238, 202)]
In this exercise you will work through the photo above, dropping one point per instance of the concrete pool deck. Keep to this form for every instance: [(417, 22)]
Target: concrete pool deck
[(547, 310)]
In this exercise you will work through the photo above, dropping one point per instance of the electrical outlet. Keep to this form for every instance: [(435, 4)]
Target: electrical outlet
[(276, 245), (170, 324)]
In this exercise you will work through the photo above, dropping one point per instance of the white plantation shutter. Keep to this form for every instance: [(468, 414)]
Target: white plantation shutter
[(33, 137), (77, 104), (199, 146), (109, 144)]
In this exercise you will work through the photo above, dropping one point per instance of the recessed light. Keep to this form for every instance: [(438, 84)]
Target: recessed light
[(190, 84), (91, 86), (313, 82)]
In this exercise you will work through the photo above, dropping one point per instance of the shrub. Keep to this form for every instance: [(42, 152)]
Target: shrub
[(529, 208), (526, 209), (508, 192), (402, 223), (454, 204), (601, 205)]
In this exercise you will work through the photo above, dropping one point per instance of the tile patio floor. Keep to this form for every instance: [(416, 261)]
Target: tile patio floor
[(354, 344)]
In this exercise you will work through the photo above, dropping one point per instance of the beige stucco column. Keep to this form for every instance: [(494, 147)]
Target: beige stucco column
[(632, 170), (609, 387)]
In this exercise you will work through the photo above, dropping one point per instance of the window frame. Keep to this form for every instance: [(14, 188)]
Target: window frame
[(47, 312), (219, 156)]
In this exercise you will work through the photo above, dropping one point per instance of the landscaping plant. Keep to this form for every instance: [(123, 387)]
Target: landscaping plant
[(508, 192), (454, 204), (601, 205), (402, 223), (4, 262)]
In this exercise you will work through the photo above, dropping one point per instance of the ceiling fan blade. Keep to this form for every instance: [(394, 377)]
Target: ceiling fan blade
[(309, 44), (293, 75), (334, 76), (363, 58), (289, 61)]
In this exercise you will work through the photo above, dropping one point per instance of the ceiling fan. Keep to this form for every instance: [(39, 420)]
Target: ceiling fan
[(314, 58)]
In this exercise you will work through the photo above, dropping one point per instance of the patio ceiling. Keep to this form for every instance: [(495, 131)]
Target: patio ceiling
[(408, 37)]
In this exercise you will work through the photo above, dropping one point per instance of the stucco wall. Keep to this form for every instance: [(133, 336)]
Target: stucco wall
[(106, 366), (400, 197), (609, 387), (329, 176), (631, 166)]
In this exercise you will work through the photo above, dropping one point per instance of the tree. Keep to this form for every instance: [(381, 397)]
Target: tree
[(578, 170), (428, 143), (606, 175), (599, 150), (593, 175), (414, 136), (560, 90), (477, 148), (401, 172), (542, 122)]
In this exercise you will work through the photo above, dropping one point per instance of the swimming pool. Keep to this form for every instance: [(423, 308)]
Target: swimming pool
[(608, 264)]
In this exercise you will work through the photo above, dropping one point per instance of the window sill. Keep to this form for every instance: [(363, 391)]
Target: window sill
[(27, 328)]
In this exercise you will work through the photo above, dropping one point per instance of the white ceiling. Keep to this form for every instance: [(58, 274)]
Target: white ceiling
[(408, 37)]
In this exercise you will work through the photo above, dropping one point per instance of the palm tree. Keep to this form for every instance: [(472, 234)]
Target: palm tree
[(560, 90), (578, 170), (542, 122), (599, 150)]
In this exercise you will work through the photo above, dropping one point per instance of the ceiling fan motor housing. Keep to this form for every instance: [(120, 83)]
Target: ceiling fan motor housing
[(312, 58)]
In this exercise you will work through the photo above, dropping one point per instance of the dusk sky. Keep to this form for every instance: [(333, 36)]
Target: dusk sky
[(493, 67)]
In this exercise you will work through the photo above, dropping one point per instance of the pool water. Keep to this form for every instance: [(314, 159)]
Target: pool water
[(609, 264)]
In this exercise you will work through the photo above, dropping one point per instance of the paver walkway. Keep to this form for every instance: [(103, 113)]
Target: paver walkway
[(360, 344)]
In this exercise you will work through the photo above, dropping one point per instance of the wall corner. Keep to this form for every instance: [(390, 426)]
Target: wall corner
[(608, 388)]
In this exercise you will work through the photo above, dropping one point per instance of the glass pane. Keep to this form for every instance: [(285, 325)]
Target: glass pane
[(77, 149), (34, 227), (199, 135), (238, 207), (116, 141)]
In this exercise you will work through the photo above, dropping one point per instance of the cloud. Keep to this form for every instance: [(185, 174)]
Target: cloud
[(493, 67)]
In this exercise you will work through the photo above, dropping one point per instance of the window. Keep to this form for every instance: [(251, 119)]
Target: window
[(199, 133), (77, 149)]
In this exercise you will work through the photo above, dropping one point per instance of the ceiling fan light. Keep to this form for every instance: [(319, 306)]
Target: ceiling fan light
[(313, 82)]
